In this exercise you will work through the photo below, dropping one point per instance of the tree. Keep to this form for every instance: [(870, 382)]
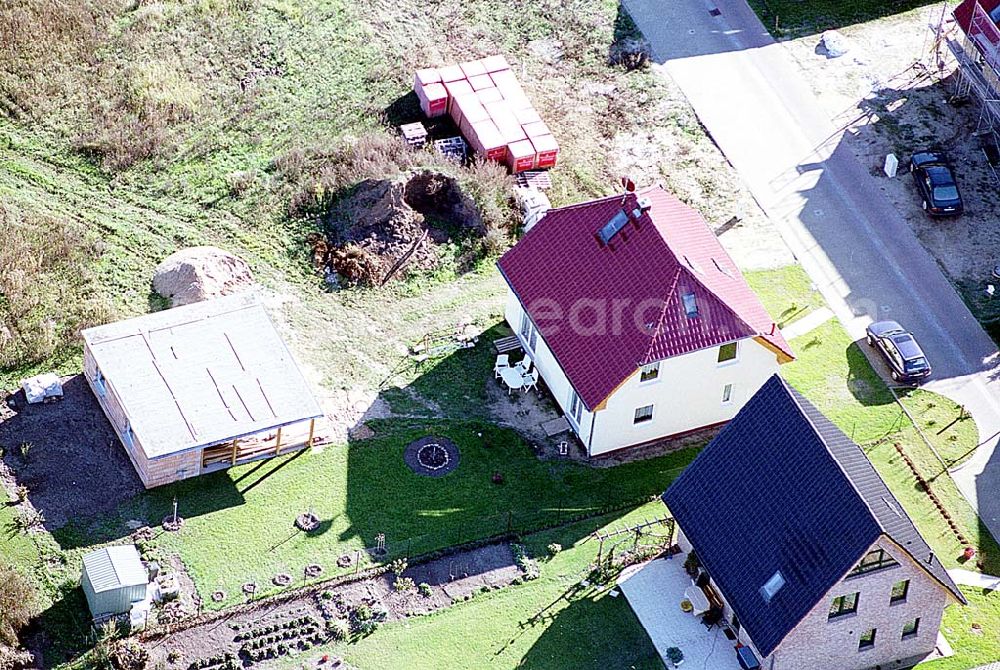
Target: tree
[(17, 604)]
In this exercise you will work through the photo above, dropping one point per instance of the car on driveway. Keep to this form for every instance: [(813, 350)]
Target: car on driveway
[(936, 183), (906, 359)]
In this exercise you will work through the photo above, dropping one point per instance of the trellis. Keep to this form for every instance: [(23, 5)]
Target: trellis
[(635, 533)]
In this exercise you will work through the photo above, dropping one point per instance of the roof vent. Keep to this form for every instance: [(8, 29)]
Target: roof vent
[(772, 586), (645, 204)]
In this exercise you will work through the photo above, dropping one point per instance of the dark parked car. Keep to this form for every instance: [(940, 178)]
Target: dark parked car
[(936, 184), (906, 359)]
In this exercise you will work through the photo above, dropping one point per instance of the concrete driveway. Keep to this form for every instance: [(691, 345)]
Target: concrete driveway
[(830, 209)]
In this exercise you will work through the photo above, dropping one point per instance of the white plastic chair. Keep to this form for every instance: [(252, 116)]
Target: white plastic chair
[(503, 361), (524, 365), (531, 381)]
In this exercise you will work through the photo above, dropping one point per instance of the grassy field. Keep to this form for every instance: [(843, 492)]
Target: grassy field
[(792, 18), (786, 292), (366, 489), (552, 622)]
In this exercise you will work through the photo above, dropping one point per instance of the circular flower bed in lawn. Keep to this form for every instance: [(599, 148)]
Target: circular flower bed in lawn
[(313, 570), (282, 579), (432, 456), (218, 596), (307, 522)]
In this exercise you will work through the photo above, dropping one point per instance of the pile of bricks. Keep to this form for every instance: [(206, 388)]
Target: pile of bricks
[(489, 106)]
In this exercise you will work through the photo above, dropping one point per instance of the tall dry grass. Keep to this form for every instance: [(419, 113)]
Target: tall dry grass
[(46, 286)]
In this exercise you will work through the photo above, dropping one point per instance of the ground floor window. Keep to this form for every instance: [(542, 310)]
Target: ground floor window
[(910, 628), (575, 407), (528, 331), (643, 414), (867, 640)]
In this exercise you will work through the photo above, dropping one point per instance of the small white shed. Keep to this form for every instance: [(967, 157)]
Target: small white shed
[(114, 578)]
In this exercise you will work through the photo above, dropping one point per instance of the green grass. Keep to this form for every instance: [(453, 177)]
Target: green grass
[(552, 622), (949, 429), (793, 18), (787, 292), (239, 523), (16, 548)]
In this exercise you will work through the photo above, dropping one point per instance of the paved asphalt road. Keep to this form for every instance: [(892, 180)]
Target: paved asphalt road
[(829, 209)]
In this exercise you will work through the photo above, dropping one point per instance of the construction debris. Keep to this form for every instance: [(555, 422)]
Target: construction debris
[(42, 387)]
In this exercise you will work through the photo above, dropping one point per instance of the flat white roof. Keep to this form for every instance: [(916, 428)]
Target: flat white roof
[(201, 374)]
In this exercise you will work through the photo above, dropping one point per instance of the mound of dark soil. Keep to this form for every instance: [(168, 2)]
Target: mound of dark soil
[(387, 228)]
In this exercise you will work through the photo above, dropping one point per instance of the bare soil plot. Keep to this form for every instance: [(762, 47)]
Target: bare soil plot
[(75, 467), (888, 93), (299, 623)]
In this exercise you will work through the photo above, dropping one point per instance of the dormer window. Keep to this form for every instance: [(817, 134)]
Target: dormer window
[(649, 372), (772, 586), (690, 305)]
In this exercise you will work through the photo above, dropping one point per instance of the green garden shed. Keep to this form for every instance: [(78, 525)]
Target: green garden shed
[(114, 578)]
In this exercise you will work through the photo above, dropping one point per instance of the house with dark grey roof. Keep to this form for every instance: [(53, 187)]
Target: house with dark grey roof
[(637, 319), (813, 560)]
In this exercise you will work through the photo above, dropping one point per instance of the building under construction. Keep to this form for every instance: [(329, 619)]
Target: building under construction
[(976, 48)]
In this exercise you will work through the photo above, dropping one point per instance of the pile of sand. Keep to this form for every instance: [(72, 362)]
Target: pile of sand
[(198, 273)]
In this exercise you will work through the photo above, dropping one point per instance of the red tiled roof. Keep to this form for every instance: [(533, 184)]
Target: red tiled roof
[(605, 311)]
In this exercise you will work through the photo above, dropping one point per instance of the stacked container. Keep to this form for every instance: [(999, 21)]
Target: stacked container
[(491, 110)]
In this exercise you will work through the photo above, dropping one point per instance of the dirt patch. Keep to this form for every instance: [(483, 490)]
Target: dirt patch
[(388, 228), (890, 95), (75, 467), (293, 627)]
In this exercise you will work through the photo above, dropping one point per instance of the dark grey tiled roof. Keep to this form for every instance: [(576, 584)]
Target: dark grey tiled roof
[(783, 489)]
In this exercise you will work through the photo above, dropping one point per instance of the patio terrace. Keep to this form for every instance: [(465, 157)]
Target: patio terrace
[(655, 590)]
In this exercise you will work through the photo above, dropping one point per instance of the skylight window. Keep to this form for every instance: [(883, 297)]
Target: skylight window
[(690, 305), (772, 586), (614, 226)]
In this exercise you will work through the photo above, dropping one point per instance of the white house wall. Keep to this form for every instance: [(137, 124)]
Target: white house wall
[(548, 368), (686, 395)]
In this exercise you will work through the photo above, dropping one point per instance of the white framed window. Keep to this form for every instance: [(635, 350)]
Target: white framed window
[(727, 394), (528, 331), (575, 407), (643, 414), (99, 384), (728, 353), (648, 373)]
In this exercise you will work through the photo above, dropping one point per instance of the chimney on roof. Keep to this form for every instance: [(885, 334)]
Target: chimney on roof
[(774, 327)]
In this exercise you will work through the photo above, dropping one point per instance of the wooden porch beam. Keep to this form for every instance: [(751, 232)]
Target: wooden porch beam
[(235, 442), (277, 442), (312, 428)]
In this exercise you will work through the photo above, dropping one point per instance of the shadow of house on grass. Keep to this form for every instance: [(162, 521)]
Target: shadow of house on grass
[(419, 514)]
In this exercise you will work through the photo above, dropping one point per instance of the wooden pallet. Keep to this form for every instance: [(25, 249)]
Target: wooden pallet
[(539, 179)]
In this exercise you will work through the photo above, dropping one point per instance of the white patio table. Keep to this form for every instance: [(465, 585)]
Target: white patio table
[(512, 377)]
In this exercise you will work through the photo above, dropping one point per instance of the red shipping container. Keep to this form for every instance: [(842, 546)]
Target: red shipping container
[(495, 63), (547, 149), (526, 116), (451, 73), (425, 76), (488, 141), (472, 68), (488, 95), (481, 82), (536, 129), (520, 156), (433, 100)]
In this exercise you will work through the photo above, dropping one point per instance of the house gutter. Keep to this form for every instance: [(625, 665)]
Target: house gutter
[(590, 440)]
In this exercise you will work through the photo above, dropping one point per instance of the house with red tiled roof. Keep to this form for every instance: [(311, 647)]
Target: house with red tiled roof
[(637, 320)]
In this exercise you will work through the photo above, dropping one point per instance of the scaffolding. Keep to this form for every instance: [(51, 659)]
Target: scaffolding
[(977, 54)]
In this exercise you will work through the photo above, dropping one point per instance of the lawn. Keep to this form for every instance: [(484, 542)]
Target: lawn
[(793, 18), (552, 622), (787, 292), (366, 489)]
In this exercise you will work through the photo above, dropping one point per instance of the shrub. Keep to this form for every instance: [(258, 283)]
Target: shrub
[(363, 612), (368, 627), (337, 629), (18, 600), (554, 548), (398, 566), (425, 589), (22, 493), (529, 567), (404, 584)]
